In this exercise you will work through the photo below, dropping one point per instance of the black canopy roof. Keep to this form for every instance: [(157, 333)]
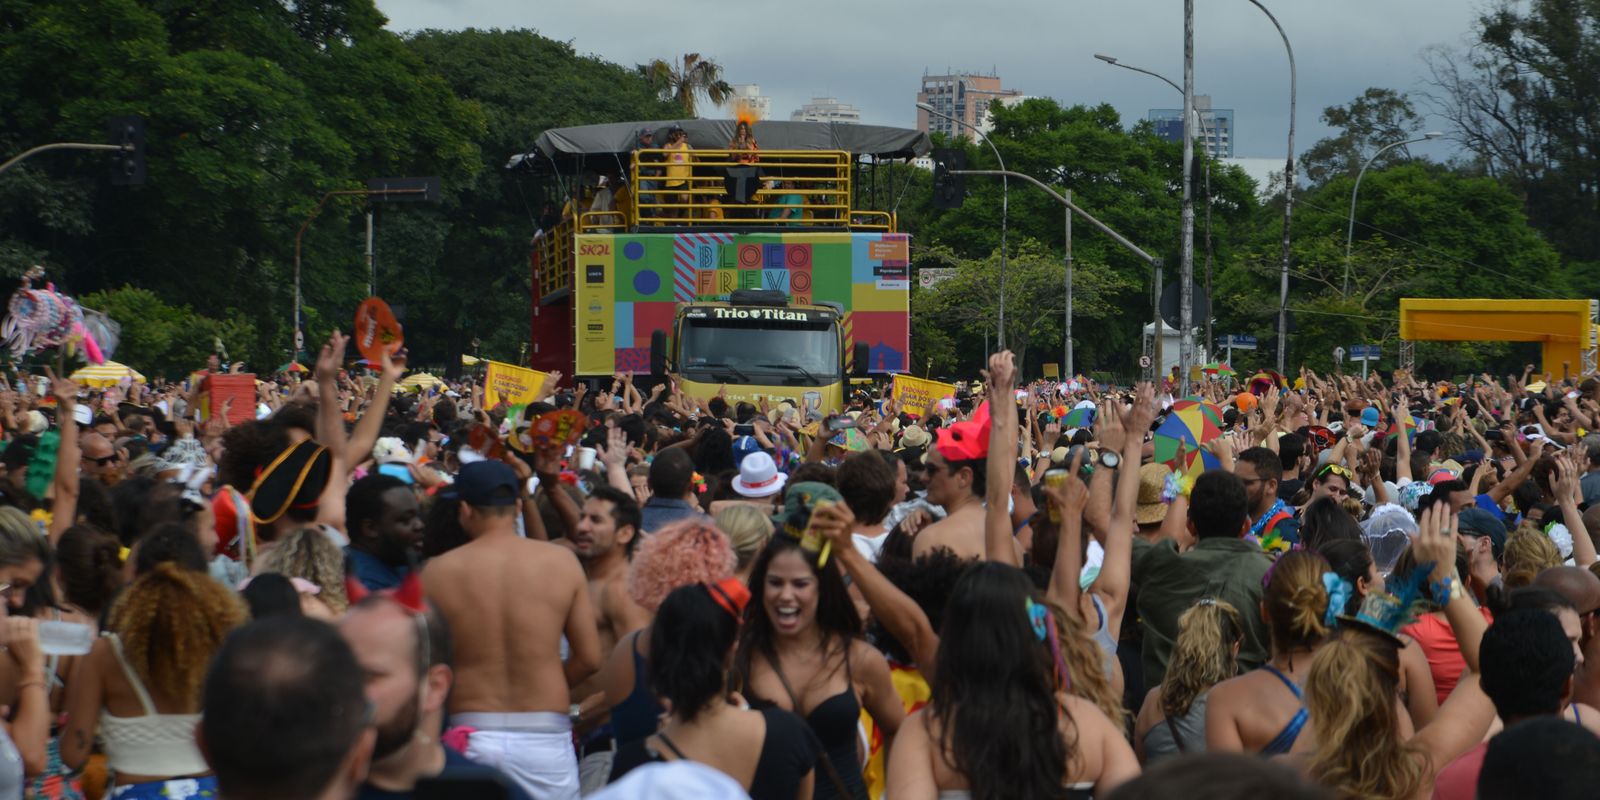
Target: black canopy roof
[(565, 150)]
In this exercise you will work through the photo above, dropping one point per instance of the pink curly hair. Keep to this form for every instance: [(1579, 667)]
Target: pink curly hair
[(680, 554)]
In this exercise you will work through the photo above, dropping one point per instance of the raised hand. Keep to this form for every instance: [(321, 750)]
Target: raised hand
[(331, 356)]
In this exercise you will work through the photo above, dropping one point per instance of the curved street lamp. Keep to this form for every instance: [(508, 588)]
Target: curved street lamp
[(1350, 231), (1005, 203)]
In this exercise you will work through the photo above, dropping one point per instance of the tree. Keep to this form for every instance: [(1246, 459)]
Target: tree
[(1377, 118), (1129, 179), (969, 302), (160, 338), (1423, 230), (685, 81), (1521, 99), (462, 269), (254, 111)]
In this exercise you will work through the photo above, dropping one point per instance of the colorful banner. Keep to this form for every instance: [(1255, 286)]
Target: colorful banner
[(627, 286), (914, 395), (512, 385)]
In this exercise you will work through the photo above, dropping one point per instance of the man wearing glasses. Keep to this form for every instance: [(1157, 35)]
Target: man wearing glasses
[(1260, 470), (102, 461)]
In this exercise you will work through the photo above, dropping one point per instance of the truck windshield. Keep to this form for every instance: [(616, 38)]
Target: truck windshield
[(787, 353)]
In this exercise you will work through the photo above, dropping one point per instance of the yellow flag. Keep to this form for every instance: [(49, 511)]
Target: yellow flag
[(914, 395), (512, 385)]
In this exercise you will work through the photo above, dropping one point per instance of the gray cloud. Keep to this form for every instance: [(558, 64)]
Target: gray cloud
[(872, 54)]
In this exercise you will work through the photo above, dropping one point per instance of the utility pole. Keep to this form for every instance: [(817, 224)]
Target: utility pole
[(1067, 345), (1186, 252)]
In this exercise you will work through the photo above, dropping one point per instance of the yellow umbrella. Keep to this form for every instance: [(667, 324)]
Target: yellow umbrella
[(108, 374), (420, 381)]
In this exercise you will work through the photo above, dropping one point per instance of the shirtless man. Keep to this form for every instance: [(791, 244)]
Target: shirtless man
[(509, 600), (605, 538), (955, 479)]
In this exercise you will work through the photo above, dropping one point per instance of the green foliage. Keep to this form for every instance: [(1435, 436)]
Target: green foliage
[(1128, 179), (1366, 124), (686, 80), (254, 111), (1521, 99), (462, 271), (163, 339), (968, 304)]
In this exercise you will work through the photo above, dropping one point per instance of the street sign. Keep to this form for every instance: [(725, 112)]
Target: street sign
[(1144, 362), (929, 277), (404, 190), (1237, 341), (1365, 352)]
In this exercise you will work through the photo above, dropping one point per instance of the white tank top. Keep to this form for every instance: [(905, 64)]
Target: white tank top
[(153, 744)]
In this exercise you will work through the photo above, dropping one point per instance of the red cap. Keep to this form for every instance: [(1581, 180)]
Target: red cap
[(967, 440)]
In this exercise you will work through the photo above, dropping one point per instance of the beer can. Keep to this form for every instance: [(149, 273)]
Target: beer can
[(1053, 479)]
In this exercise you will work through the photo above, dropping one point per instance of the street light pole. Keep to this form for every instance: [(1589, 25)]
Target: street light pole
[(1288, 199), (1067, 322), (1212, 140), (1350, 231), (1186, 253), (299, 236), (1005, 213)]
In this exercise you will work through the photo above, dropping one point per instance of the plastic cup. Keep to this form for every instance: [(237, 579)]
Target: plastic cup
[(1053, 479)]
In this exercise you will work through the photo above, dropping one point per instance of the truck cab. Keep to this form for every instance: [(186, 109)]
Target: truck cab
[(761, 346)]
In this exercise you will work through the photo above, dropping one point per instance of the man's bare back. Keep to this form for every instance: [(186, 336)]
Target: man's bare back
[(508, 601), (961, 532)]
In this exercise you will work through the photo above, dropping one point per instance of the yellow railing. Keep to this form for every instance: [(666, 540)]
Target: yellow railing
[(796, 188), (552, 252)]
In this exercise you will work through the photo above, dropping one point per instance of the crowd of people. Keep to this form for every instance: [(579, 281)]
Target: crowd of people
[(1340, 588)]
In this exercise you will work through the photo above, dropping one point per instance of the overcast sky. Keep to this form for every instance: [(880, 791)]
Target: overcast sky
[(873, 53)]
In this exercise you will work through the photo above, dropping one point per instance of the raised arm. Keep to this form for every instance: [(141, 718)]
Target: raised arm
[(1116, 570), (899, 614), (1568, 493), (1002, 461), (68, 455)]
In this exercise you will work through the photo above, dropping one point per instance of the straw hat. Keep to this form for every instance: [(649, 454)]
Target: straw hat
[(1150, 510)]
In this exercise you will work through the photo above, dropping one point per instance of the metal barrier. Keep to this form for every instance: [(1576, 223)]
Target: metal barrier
[(552, 252), (795, 188)]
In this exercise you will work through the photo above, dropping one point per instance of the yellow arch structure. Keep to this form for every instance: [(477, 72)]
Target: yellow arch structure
[(1566, 328)]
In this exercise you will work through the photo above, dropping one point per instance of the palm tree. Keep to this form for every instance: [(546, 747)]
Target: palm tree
[(683, 82)]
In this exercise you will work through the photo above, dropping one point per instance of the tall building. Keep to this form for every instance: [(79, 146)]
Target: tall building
[(748, 96), (827, 109), (1215, 135), (965, 96)]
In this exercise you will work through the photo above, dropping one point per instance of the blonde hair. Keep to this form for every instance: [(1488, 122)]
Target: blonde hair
[(1528, 551), (1082, 656), (747, 528), (309, 554), (1296, 600), (171, 622), (1203, 655), (1350, 693)]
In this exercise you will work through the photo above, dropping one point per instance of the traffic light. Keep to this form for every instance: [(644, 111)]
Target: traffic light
[(949, 191), (127, 164)]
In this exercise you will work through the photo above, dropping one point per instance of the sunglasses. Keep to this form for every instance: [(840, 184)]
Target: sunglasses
[(1335, 469), (104, 461)]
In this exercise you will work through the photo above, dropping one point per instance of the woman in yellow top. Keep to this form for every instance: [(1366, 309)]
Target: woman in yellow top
[(678, 169)]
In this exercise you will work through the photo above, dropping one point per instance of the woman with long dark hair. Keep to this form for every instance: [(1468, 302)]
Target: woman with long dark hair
[(1001, 723), (801, 650), (769, 752)]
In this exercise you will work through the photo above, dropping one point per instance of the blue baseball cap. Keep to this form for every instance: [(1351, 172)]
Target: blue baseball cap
[(743, 446), (479, 484), (1369, 417)]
